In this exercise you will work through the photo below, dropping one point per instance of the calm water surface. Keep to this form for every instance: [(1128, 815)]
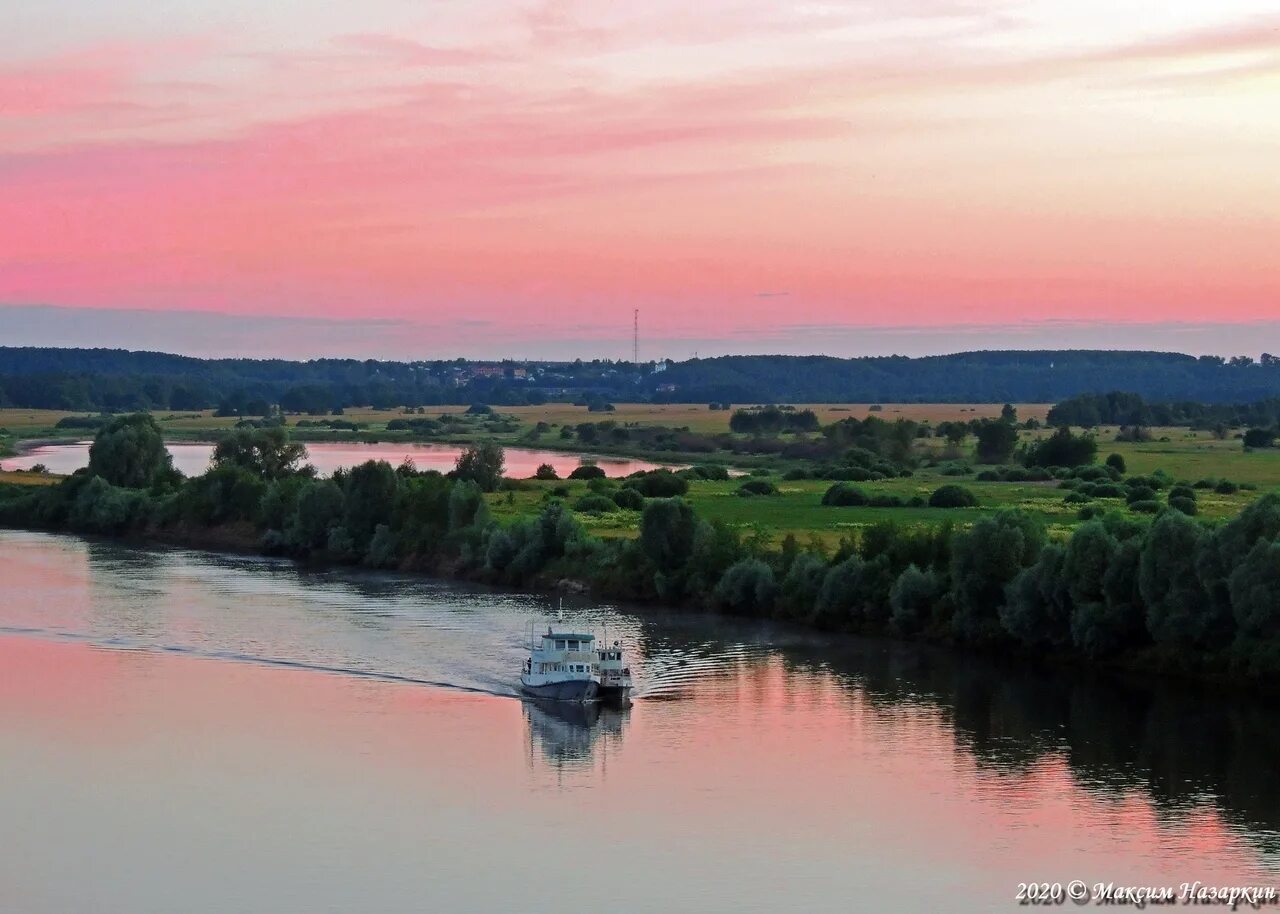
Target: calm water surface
[(188, 732), (327, 456)]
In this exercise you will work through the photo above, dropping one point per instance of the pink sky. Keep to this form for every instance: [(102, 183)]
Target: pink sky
[(750, 174)]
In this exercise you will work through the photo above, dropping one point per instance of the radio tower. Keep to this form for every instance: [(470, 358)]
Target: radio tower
[(635, 338)]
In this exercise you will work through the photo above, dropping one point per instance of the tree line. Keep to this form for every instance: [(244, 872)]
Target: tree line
[(117, 380), (1165, 591)]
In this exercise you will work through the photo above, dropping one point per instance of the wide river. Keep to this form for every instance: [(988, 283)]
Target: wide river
[(187, 732), (192, 458)]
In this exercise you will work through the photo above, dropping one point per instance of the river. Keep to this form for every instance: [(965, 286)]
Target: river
[(192, 732), (192, 458)]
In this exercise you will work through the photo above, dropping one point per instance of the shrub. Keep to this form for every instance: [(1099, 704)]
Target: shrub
[(1181, 491), (628, 499), (1226, 487), (757, 487), (843, 495), (952, 496), (1062, 449), (595, 504), (1259, 437), (1140, 493), (886, 501), (1076, 498), (1107, 490), (1146, 506), (545, 471), (587, 471), (658, 484), (955, 468), (1186, 505), (1116, 462)]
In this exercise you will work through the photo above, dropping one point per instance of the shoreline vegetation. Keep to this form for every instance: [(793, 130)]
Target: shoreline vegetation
[(1139, 583)]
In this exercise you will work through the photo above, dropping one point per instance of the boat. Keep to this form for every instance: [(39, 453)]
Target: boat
[(615, 675), (562, 666)]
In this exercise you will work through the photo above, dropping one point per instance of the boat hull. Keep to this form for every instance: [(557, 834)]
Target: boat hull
[(614, 693), (573, 690)]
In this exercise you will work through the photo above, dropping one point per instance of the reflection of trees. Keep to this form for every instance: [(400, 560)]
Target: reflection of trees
[(571, 735), (1179, 745)]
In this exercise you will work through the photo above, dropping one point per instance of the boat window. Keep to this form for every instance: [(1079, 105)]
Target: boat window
[(559, 645)]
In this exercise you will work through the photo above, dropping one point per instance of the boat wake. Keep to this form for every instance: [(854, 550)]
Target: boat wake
[(125, 644)]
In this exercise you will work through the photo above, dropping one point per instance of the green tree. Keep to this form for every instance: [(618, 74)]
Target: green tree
[(371, 491), (129, 452), (319, 508), (266, 452), (747, 588), (1255, 592), (482, 463), (996, 441), (667, 530), (984, 560), (1179, 611)]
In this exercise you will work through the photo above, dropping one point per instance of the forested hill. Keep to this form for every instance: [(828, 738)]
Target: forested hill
[(980, 377), (103, 379)]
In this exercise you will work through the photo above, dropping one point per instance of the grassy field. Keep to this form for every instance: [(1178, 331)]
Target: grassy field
[(28, 479), (698, 417), (797, 508), (1183, 454)]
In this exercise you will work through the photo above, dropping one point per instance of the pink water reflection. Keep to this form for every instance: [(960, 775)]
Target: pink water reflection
[(193, 458)]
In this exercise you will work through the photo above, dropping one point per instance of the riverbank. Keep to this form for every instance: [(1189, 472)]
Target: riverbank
[(1216, 674)]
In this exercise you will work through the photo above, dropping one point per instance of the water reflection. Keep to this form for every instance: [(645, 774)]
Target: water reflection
[(1183, 748), (765, 700), (569, 735)]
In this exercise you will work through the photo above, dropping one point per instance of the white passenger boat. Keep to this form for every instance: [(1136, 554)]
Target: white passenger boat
[(562, 666), (615, 675)]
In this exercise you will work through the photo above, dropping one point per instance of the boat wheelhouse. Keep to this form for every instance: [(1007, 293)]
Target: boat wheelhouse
[(615, 675), (562, 666)]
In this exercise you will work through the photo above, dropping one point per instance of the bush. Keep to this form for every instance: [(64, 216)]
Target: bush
[(628, 499), (1259, 437), (1107, 490), (886, 501), (843, 495), (1226, 487), (545, 471), (1116, 462), (1076, 498), (1062, 449), (587, 471), (1181, 491), (658, 484), (1186, 505), (595, 504), (757, 487), (955, 468), (952, 496), (1146, 506), (1140, 493)]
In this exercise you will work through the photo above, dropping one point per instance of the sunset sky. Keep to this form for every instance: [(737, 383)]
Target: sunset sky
[(432, 179)]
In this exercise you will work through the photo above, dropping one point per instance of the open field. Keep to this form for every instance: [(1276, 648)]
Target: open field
[(1187, 456), (697, 416), (797, 508), (28, 479)]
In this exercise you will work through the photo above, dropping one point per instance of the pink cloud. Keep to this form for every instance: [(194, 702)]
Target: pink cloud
[(540, 182)]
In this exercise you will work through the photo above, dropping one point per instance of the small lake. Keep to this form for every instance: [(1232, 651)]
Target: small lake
[(192, 732), (193, 458)]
